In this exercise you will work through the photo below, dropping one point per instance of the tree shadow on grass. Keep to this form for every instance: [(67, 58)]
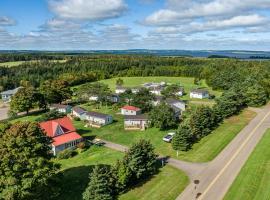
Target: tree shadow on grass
[(83, 131), (74, 182)]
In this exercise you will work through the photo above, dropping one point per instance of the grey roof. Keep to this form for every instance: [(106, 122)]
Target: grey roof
[(176, 109), (97, 115), (136, 117), (60, 106), (79, 110), (11, 92), (159, 98), (199, 91), (173, 101)]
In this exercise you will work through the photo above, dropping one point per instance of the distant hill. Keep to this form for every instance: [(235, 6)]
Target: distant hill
[(184, 53)]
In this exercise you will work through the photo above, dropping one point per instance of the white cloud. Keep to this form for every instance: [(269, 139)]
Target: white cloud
[(7, 21), (93, 10), (183, 10)]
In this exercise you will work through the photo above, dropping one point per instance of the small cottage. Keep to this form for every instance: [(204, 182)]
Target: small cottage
[(199, 94), (78, 112), (176, 103), (135, 122), (6, 95), (120, 89), (61, 108), (130, 110), (98, 120)]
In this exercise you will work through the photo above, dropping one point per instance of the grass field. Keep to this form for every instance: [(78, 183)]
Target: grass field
[(166, 186), (17, 63), (253, 182), (169, 181), (204, 150)]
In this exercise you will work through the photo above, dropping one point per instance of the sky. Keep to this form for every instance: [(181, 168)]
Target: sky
[(135, 24)]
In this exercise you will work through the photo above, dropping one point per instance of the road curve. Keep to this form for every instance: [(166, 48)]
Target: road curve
[(213, 182), (191, 169)]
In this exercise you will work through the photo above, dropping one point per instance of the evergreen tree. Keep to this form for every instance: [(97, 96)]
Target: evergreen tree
[(182, 140), (26, 171), (140, 161), (101, 185)]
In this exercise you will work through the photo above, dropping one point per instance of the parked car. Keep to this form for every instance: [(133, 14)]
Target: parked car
[(168, 137)]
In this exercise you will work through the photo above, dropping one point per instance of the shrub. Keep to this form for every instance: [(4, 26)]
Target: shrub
[(81, 145), (77, 119), (66, 154)]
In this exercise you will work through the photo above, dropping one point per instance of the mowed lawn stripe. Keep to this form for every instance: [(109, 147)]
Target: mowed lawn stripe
[(253, 181)]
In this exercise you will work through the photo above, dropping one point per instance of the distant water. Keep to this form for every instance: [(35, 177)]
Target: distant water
[(196, 53)]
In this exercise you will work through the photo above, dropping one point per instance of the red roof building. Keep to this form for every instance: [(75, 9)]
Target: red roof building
[(130, 110), (62, 132)]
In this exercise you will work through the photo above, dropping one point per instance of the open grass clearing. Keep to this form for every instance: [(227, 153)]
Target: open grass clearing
[(253, 181), (169, 182)]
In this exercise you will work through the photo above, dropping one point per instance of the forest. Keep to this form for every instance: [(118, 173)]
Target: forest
[(221, 74)]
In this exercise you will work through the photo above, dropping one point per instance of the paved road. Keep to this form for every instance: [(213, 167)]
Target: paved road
[(219, 174), (191, 169)]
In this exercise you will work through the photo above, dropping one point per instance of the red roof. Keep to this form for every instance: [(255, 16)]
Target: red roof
[(65, 126), (131, 108), (51, 126), (65, 138)]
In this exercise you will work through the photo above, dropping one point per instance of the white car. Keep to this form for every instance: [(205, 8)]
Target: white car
[(168, 137)]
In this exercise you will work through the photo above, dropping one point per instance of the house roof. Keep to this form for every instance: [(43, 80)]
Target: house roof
[(50, 126), (11, 92), (136, 117), (65, 138), (133, 108), (79, 110), (199, 91), (60, 106), (174, 101), (97, 115)]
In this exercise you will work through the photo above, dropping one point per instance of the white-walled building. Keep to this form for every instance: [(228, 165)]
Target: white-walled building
[(199, 94), (120, 89), (61, 108), (6, 95), (130, 110), (135, 122), (78, 112), (96, 119)]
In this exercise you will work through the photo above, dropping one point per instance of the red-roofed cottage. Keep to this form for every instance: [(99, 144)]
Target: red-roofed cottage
[(130, 110), (62, 132)]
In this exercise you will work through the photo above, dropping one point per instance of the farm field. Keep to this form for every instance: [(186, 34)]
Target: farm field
[(205, 150), (252, 183), (75, 177), (17, 63)]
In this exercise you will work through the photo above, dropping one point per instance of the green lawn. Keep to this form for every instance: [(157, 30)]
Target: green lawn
[(186, 82), (167, 185), (253, 182), (205, 150), (169, 181)]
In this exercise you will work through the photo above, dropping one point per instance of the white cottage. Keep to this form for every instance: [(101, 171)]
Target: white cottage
[(130, 110), (6, 95), (96, 119), (135, 122), (120, 89), (199, 94), (61, 108)]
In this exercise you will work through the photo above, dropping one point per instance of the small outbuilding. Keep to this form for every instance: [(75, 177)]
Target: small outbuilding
[(130, 110), (98, 120), (61, 108), (135, 122), (199, 94)]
